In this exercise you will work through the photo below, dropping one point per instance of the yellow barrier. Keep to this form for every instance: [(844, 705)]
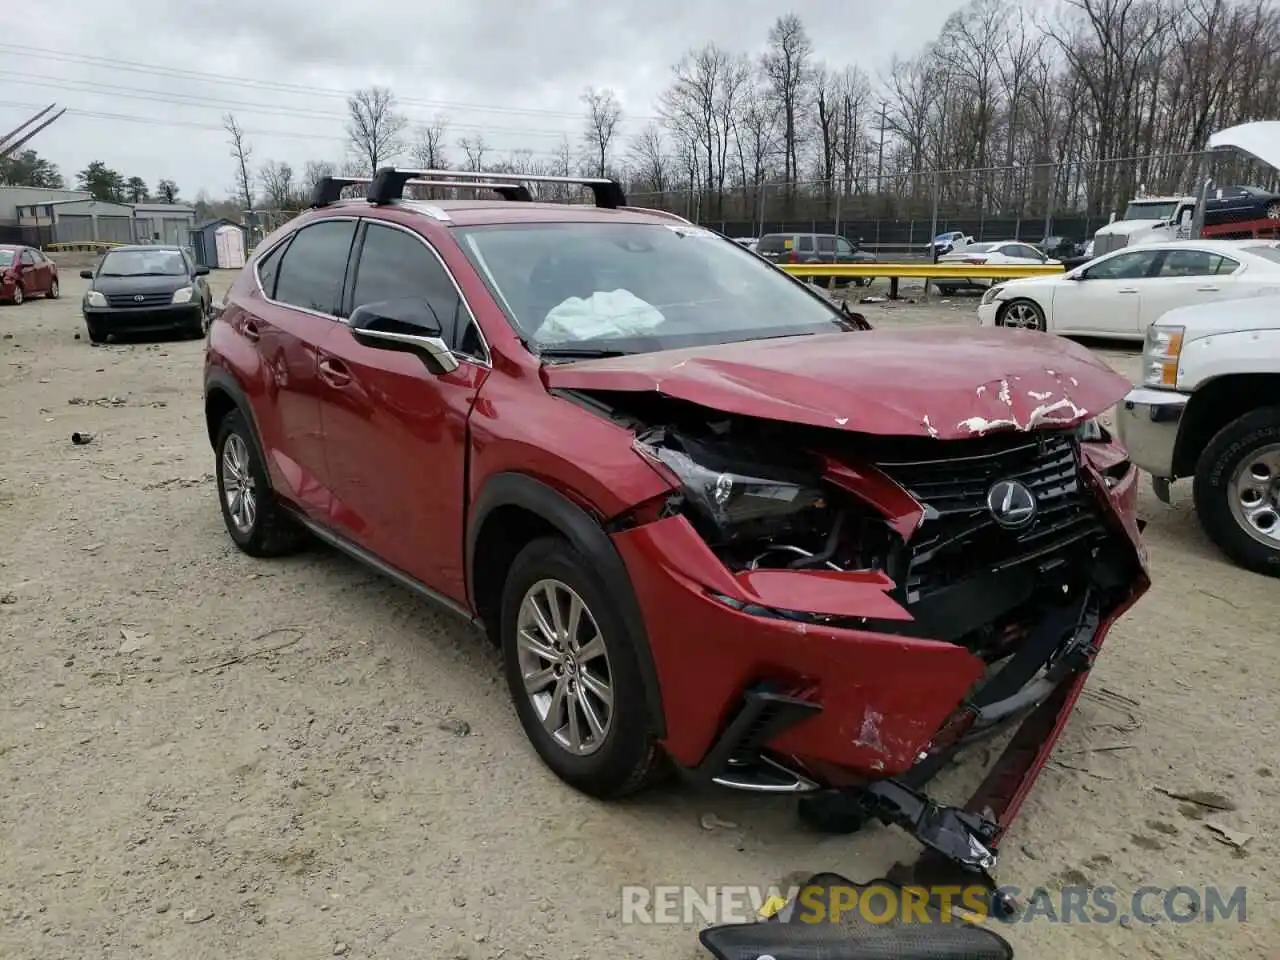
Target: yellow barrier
[(922, 270), (88, 246)]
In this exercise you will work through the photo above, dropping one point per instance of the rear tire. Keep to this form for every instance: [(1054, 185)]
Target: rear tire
[(54, 291), (1273, 210), (1238, 477), (617, 753), (18, 296), (254, 519)]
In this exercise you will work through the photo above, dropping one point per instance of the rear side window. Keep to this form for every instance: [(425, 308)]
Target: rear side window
[(774, 243), (269, 267), (311, 271), (805, 244), (397, 265)]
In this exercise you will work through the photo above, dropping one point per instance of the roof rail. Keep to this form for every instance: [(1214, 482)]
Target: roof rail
[(388, 183), (328, 190)]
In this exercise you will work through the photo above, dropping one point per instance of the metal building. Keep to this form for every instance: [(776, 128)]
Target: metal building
[(80, 221), (11, 198), (166, 223)]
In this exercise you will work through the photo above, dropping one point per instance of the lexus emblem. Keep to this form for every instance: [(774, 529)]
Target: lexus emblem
[(139, 298), (1012, 504)]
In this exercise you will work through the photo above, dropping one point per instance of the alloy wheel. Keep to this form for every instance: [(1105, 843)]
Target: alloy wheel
[(238, 487), (1022, 316), (1255, 495), (565, 666), (17, 296)]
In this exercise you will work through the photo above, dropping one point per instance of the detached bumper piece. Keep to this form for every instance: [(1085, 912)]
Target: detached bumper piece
[(837, 919)]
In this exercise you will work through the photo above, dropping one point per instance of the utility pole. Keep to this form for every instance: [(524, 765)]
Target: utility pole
[(884, 107)]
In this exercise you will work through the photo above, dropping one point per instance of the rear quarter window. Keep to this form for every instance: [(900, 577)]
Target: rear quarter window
[(771, 244)]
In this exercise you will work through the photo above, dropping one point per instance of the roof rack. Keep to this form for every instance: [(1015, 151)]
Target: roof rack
[(388, 184), (328, 190)]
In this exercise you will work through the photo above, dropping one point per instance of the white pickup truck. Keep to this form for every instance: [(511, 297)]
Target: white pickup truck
[(1209, 409)]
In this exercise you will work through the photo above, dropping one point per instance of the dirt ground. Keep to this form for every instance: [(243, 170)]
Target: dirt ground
[(209, 756)]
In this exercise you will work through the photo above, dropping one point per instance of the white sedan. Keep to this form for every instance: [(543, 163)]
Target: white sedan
[(1121, 293), (998, 252)]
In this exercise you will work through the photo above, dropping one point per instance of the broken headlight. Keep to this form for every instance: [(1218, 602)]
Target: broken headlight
[(1091, 431), (732, 501)]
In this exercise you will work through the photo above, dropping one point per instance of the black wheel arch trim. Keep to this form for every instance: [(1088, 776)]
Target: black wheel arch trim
[(224, 382), (589, 539)]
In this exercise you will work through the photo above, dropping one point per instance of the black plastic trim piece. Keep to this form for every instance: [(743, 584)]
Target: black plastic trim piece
[(762, 717)]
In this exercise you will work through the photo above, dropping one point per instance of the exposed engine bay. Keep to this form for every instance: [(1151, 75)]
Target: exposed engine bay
[(766, 495)]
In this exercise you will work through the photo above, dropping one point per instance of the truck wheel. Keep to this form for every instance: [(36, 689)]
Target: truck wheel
[(1237, 490)]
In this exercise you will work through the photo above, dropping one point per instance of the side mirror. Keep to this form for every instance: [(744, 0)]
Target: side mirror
[(407, 326), (202, 271), (86, 274)]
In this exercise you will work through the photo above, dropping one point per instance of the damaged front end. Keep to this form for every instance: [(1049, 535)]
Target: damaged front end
[(839, 614)]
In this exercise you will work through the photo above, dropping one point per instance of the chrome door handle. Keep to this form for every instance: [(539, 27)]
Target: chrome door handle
[(1127, 290), (1208, 289)]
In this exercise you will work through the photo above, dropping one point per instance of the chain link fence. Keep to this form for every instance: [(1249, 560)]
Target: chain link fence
[(904, 211)]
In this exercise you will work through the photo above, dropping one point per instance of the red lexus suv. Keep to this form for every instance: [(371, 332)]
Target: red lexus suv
[(713, 520)]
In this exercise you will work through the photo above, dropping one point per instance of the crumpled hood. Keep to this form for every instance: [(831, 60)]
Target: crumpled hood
[(946, 384)]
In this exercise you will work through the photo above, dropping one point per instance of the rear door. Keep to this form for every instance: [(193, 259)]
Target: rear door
[(301, 290), (396, 433), (34, 277), (1184, 277), (826, 249)]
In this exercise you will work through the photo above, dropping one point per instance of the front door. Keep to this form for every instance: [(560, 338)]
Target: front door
[(1106, 300), (296, 311), (396, 433)]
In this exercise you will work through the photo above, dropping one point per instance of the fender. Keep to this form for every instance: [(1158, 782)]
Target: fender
[(218, 379), (590, 540)]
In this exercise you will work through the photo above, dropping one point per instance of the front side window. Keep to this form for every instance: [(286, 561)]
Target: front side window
[(637, 287), (1124, 266), (844, 246), (312, 269), (27, 257), (395, 265)]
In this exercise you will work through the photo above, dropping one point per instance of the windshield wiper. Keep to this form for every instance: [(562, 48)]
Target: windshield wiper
[(581, 353)]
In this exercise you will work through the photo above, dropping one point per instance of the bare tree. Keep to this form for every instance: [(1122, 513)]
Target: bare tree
[(278, 187), (374, 127), (474, 148), (786, 69), (604, 113), (241, 152), (650, 158), (427, 149)]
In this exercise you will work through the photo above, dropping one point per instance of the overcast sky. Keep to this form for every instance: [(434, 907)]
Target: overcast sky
[(148, 99)]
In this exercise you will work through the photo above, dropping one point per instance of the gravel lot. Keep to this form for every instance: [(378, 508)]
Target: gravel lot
[(209, 756)]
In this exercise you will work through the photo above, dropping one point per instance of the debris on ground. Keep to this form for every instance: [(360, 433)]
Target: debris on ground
[(459, 728), (1201, 798), (1224, 834), (81, 439), (132, 641), (196, 915), (710, 821)]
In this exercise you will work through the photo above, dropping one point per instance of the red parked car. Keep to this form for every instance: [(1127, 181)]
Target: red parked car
[(712, 520), (25, 272)]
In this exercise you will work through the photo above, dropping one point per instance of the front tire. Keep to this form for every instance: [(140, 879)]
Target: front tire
[(96, 333), (574, 674), (1021, 315), (18, 296), (254, 519), (1237, 491)]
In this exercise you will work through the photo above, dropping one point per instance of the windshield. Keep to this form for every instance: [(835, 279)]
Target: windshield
[(143, 263), (589, 288), (1150, 211), (6, 258)]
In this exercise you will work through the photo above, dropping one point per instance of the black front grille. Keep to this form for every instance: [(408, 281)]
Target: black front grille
[(127, 300), (960, 537)]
